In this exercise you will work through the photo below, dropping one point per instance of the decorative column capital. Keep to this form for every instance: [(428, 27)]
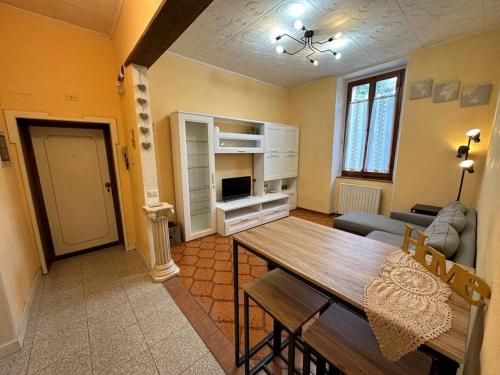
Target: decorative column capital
[(159, 212)]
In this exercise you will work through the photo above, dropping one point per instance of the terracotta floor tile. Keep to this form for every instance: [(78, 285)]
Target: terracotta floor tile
[(203, 274), (222, 247), (210, 238), (187, 271), (201, 288), (223, 292), (193, 243), (206, 253), (188, 260), (258, 270), (191, 251), (223, 265), (223, 277), (205, 263), (205, 302), (243, 269), (207, 245), (221, 255), (186, 281), (222, 311)]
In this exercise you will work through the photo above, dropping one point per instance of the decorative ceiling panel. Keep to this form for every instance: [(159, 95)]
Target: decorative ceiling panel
[(96, 15), (236, 34)]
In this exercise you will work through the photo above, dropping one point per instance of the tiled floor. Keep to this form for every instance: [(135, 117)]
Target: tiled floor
[(99, 313), (206, 271)]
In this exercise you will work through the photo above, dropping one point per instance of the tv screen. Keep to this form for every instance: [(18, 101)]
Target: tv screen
[(236, 187)]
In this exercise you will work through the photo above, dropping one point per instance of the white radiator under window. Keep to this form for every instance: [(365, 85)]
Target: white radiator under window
[(359, 198)]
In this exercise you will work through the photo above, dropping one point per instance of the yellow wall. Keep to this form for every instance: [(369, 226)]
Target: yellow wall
[(312, 108), (488, 256), (427, 169), (179, 84), (42, 61)]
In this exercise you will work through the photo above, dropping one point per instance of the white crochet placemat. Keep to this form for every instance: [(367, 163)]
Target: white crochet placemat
[(406, 306)]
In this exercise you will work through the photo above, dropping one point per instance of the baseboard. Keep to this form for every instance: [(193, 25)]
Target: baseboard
[(9, 348), (21, 332)]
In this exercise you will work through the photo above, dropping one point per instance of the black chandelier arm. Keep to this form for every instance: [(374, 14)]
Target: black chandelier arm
[(326, 50), (291, 37), (293, 53), (324, 42)]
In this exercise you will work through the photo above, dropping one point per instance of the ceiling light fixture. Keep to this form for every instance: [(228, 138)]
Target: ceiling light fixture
[(307, 41)]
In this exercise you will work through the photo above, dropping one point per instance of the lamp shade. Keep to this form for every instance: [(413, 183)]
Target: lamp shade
[(468, 165), (474, 134)]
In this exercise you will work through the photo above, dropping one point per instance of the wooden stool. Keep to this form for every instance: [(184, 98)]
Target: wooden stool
[(346, 341), (290, 302)]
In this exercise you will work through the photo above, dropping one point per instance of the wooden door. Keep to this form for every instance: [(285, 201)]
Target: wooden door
[(75, 181)]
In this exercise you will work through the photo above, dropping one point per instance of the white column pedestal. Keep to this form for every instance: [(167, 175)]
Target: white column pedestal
[(163, 265)]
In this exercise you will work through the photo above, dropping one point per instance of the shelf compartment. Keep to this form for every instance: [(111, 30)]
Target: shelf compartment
[(240, 213), (233, 143)]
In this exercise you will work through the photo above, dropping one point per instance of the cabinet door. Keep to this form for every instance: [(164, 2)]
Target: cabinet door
[(290, 164), (198, 175), (272, 166), (272, 135), (290, 139)]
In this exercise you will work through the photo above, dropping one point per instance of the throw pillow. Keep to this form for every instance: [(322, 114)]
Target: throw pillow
[(453, 217), (443, 238)]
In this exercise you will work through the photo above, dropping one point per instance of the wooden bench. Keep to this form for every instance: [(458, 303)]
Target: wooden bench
[(346, 341), (290, 302)]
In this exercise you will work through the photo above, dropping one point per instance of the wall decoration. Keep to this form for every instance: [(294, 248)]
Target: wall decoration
[(421, 89), (4, 150), (475, 95), (446, 91)]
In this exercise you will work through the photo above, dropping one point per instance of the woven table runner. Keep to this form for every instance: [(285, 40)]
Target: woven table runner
[(406, 306)]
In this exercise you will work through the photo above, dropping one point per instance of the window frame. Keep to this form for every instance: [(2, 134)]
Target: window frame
[(395, 127)]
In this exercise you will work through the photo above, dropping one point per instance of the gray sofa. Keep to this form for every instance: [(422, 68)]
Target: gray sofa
[(391, 230)]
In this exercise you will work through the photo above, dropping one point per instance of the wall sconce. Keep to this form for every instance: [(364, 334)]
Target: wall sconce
[(462, 150), (474, 134)]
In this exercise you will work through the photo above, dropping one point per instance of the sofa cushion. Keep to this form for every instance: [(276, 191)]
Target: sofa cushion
[(466, 253), (388, 238), (443, 238), (454, 217), (364, 223), (455, 205)]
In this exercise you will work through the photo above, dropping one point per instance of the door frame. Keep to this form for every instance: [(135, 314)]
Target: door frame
[(13, 120)]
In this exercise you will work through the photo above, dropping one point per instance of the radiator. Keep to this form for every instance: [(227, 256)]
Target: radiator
[(359, 198)]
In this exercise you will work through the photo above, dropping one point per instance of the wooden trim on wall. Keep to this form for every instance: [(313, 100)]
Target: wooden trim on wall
[(169, 22)]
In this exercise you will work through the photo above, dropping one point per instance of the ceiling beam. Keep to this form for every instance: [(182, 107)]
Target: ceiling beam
[(168, 24)]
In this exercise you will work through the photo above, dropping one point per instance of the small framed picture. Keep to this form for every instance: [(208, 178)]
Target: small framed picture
[(421, 89), (473, 95), (4, 150), (446, 91)]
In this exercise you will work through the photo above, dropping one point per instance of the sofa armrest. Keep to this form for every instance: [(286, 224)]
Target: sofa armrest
[(411, 218)]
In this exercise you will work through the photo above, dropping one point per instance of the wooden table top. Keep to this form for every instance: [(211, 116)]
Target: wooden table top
[(341, 264)]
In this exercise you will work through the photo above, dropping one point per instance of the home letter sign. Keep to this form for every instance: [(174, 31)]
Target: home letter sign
[(460, 280)]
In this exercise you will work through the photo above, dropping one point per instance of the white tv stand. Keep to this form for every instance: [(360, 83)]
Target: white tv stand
[(245, 213)]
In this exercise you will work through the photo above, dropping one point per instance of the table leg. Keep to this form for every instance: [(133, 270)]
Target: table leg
[(236, 297)]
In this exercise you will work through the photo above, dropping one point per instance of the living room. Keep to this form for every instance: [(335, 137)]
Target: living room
[(216, 120)]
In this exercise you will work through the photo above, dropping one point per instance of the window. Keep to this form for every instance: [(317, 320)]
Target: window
[(371, 128)]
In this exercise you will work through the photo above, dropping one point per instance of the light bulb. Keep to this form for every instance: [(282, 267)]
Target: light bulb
[(296, 9), (338, 35), (280, 49), (466, 164), (338, 55), (298, 25), (315, 63)]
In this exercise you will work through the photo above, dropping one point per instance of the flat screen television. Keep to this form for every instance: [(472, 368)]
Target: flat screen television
[(236, 187)]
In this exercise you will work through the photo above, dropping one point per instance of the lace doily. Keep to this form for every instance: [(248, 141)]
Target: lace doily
[(406, 306)]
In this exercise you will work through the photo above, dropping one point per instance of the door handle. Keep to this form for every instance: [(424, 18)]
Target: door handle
[(108, 186)]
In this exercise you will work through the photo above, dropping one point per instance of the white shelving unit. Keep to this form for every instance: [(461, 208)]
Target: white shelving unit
[(241, 214), (195, 142), (231, 143)]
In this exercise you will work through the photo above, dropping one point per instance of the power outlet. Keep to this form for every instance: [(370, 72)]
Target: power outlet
[(71, 97)]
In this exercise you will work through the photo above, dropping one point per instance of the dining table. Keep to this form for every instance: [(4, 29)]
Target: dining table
[(339, 265)]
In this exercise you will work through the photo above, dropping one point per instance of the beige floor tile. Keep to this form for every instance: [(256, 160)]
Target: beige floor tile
[(146, 304), (49, 350), (105, 300), (207, 365), (75, 364), (108, 351), (141, 364), (111, 321), (188, 350), (139, 285), (15, 364)]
